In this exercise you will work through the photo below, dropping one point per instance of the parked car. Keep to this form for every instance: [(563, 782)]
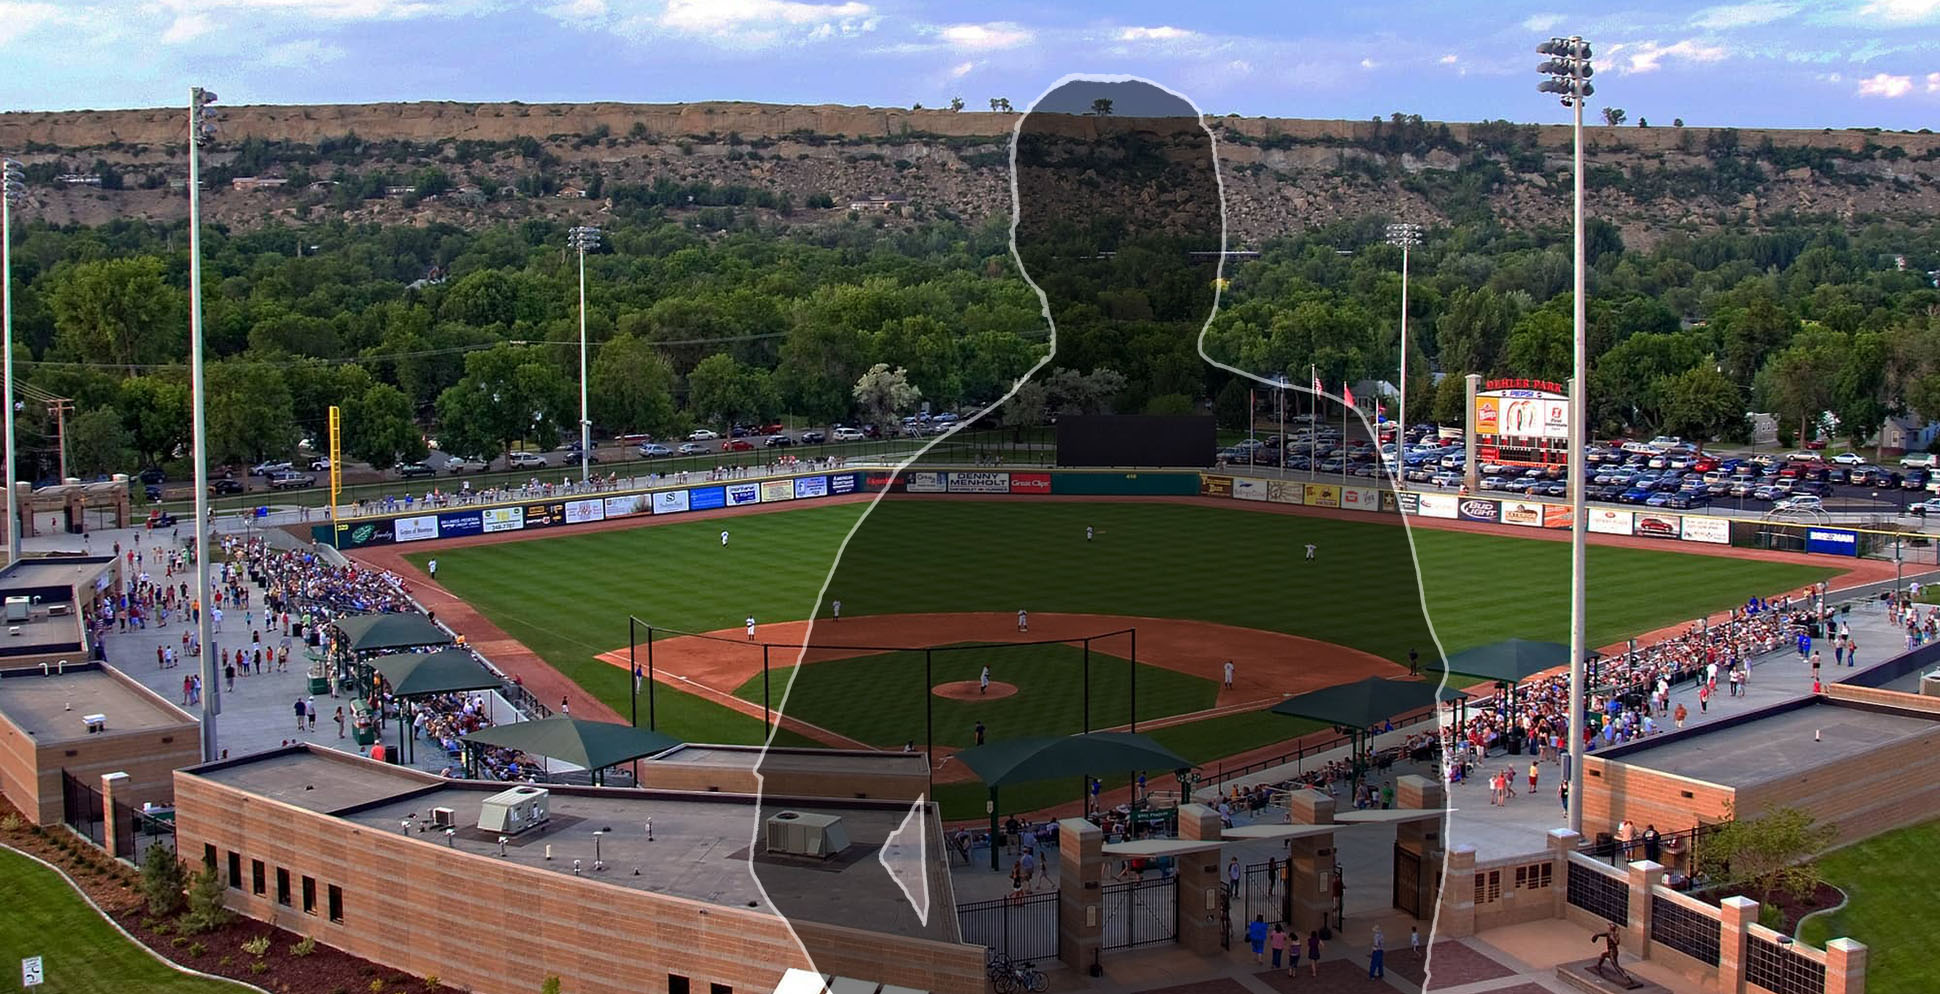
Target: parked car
[(1922, 460), (159, 518), (1925, 508), (844, 434), (411, 469), (270, 467), (218, 488), (702, 435), (465, 465), (654, 450), (813, 438), (737, 445), (1800, 502), (152, 474), (152, 492), (291, 481), (527, 460), (1849, 459), (777, 441), (692, 449), (320, 465), (633, 437)]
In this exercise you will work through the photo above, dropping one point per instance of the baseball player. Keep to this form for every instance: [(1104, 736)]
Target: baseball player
[(1023, 620), (724, 535), (751, 628)]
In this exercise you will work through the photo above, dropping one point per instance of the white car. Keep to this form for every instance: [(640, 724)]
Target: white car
[(702, 435), (1800, 502), (1925, 508), (461, 465), (527, 460), (847, 435), (1918, 460), (319, 465), (1849, 459)]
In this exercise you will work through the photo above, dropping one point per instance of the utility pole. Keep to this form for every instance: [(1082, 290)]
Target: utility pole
[(59, 407)]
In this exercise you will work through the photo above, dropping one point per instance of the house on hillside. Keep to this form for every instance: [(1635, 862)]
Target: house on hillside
[(250, 184), (878, 202), (571, 192), (1911, 433), (80, 179)]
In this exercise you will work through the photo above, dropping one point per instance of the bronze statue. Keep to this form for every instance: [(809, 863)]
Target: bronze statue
[(1612, 937)]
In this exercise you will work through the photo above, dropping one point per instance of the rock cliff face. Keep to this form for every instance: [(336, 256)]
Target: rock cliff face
[(1280, 175)]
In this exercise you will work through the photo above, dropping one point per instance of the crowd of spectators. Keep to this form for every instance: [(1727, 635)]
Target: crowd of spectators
[(305, 587), (534, 489)]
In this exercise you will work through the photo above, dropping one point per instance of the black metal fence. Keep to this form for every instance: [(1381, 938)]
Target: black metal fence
[(1141, 913), (1782, 969), (1692, 933), (1670, 849), (1022, 929), (1599, 893), (135, 832), (1264, 890), (81, 808)]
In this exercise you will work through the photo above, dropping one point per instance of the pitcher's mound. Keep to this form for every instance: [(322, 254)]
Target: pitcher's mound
[(966, 690)]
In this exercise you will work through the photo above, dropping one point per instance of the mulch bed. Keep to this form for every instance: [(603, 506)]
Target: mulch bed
[(1826, 896), (115, 887)]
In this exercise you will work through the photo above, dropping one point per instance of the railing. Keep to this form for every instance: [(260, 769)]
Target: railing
[(1222, 773), (1141, 912), (1782, 966), (81, 808), (135, 832), (1597, 891), (1023, 928), (1671, 845)]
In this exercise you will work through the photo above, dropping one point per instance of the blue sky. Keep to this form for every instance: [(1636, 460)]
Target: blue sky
[(1774, 63)]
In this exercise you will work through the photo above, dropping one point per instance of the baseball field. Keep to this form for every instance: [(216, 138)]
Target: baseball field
[(1193, 579)]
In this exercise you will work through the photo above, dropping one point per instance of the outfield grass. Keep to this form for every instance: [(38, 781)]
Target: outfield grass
[(568, 597), (1888, 879), (81, 952), (1049, 699)]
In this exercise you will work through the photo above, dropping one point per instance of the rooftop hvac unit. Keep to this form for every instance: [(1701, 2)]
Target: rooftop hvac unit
[(443, 818), (19, 608), (513, 811), (796, 833)]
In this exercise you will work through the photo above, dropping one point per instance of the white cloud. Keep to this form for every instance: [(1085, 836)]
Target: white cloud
[(1742, 15), (1449, 59), (962, 69), (339, 10), (1161, 33), (302, 54), (995, 34), (1368, 63), (1240, 66), (721, 17), (1649, 56), (578, 10), (187, 27), (17, 19), (1900, 10), (1933, 82), (1883, 85), (1542, 22)]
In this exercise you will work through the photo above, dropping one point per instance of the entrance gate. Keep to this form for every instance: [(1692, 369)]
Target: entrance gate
[(1265, 892), (1025, 929), (1407, 880), (1141, 913)]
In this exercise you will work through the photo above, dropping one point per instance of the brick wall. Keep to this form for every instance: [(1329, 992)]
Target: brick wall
[(490, 926), (1614, 790), (1893, 786), (30, 774)]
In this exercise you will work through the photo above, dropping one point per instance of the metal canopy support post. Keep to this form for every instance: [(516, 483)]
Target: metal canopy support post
[(767, 714), (1134, 665), (929, 707), (992, 805), (633, 670), (650, 681), (1087, 693)]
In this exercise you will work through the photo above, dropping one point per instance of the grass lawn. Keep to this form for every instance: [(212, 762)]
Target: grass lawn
[(1888, 879), (82, 953), (1049, 701), (568, 597)]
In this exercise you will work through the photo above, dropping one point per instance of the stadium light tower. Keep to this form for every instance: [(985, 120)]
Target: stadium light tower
[(1567, 74), (202, 130), (583, 239), (1406, 236), (13, 192)]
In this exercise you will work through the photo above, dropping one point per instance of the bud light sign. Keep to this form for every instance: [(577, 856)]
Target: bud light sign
[(1832, 541), (1480, 510)]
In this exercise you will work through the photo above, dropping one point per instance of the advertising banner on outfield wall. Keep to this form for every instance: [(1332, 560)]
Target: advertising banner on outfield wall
[(369, 533), (1527, 513), (777, 490), (1030, 483), (1358, 499), (544, 515), (962, 482), (1389, 503), (925, 482), (1321, 495), (844, 483), (1478, 509), (1215, 486), (416, 529), (1650, 524), (1440, 506), (670, 501), (1716, 531), (458, 523), (1283, 492), (1246, 489), (1408, 501), (811, 486), (620, 507), (1558, 516), (1832, 541), (743, 493), (503, 519), (706, 498), (579, 512), (1606, 521)]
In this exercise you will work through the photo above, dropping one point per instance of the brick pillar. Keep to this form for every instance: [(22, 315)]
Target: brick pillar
[(1845, 967), (1200, 881), (1310, 861), (1644, 874), (112, 784), (1457, 919), (1081, 868), (1424, 837), (1736, 916), (1562, 842)]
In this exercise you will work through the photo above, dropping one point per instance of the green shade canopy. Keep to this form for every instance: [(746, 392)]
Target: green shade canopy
[(1000, 764), (593, 745), (1366, 703), (390, 630), (1512, 661), (420, 674)]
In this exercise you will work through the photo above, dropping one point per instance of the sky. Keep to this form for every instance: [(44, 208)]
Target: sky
[(1763, 63)]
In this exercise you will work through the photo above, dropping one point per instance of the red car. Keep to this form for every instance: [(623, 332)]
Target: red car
[(1704, 465), (1817, 443), (737, 445)]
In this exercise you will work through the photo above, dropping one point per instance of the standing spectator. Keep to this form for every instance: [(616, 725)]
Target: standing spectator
[(1374, 967)]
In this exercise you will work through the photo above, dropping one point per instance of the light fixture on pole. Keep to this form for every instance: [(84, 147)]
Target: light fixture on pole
[(1406, 236), (1567, 72), (13, 193), (583, 239), (202, 130)]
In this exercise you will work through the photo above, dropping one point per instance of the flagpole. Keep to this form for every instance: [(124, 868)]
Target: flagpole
[(1343, 433), (1283, 426), (1252, 400)]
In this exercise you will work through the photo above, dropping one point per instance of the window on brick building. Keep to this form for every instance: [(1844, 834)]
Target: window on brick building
[(309, 895), (256, 884), (719, 989), (282, 887), (336, 907), (676, 984), (235, 869), (209, 855)]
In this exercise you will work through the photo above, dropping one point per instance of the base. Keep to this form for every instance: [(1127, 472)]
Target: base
[(1582, 975)]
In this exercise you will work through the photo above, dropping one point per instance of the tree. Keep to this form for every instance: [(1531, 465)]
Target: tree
[(118, 311), (1171, 404), (155, 410), (1613, 116), (1101, 107), (1000, 104), (1229, 405), (1770, 854), (631, 388), (883, 394), (1451, 401), (379, 429), (206, 911), (1643, 122), (724, 392), (1859, 388), (248, 412), (1702, 405), (162, 880), (956, 104), (509, 393), (1677, 122), (1540, 347), (97, 443)]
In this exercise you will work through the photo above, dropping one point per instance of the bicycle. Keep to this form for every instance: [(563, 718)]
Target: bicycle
[(1024, 977)]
